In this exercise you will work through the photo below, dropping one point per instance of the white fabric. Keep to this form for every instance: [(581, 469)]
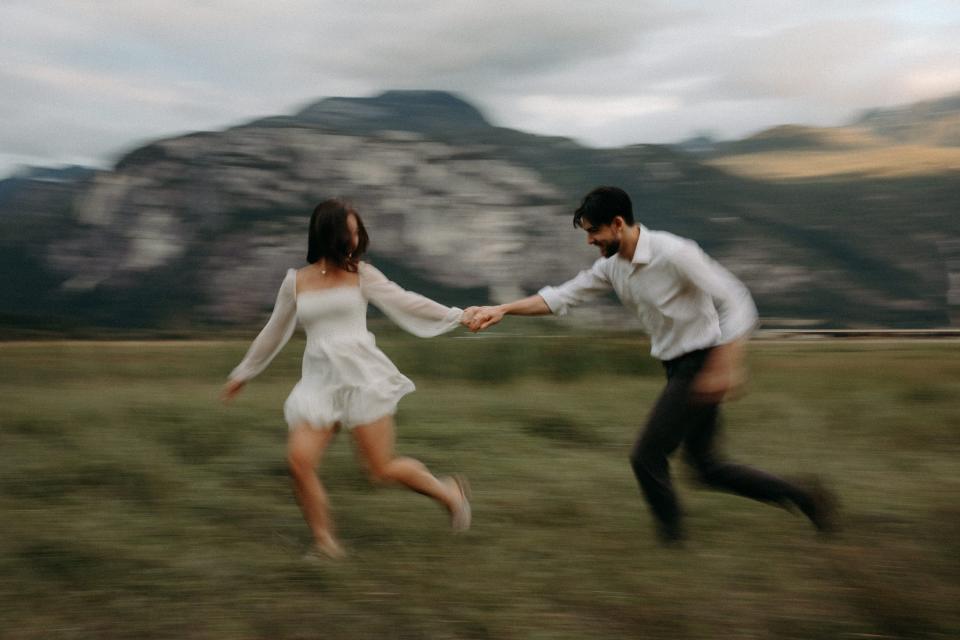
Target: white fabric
[(684, 299), (345, 377)]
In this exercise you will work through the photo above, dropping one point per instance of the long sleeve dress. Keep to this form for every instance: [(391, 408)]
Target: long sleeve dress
[(345, 377)]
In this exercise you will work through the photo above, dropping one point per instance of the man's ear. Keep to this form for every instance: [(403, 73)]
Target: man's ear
[(618, 223)]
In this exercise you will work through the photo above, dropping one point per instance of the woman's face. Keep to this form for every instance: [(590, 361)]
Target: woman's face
[(354, 232)]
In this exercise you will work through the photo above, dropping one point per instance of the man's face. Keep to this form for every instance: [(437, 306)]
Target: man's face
[(605, 237)]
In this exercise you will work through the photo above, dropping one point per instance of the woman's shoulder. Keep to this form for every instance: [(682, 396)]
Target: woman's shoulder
[(368, 271)]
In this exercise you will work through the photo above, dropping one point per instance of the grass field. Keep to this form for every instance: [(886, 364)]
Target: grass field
[(134, 505)]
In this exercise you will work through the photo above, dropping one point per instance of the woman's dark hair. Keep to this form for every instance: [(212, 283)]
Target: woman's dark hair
[(330, 236), (602, 205)]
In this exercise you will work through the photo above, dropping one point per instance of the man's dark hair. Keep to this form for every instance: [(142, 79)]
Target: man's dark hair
[(602, 205), (330, 236)]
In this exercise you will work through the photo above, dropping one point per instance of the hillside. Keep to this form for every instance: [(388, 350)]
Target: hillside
[(899, 142), (933, 123), (195, 231)]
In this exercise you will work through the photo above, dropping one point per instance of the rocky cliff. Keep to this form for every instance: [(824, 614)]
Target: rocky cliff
[(198, 229)]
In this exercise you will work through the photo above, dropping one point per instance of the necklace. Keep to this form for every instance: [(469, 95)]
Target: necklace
[(323, 267)]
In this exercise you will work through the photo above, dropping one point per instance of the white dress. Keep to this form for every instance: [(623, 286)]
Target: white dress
[(345, 377)]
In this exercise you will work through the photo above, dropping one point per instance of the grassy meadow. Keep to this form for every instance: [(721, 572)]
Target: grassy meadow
[(134, 505)]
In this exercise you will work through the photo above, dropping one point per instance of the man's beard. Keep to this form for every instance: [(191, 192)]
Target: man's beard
[(610, 249)]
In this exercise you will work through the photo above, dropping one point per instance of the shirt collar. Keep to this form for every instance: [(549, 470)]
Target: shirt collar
[(641, 254)]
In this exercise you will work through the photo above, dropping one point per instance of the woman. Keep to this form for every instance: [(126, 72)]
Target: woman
[(346, 381)]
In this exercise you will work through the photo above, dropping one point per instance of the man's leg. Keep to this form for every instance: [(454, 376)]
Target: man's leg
[(664, 431), (702, 451)]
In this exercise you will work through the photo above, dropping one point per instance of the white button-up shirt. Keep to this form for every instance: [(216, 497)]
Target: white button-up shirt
[(684, 299)]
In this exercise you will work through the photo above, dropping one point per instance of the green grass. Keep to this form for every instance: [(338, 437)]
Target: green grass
[(134, 505)]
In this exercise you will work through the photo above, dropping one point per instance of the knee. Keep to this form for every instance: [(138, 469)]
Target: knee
[(378, 478), (644, 458), (300, 464), (636, 459), (394, 470), (707, 471), (704, 475), (379, 473)]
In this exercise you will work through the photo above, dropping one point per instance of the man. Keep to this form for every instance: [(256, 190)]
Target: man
[(698, 316)]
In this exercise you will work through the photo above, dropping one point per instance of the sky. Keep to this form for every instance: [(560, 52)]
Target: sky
[(83, 81)]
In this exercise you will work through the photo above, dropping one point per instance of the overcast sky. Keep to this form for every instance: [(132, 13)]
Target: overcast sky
[(84, 80)]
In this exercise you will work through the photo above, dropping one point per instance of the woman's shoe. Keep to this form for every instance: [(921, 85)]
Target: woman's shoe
[(461, 515), (329, 549)]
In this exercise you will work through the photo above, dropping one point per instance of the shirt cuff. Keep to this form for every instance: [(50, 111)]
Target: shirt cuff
[(554, 300), (454, 315)]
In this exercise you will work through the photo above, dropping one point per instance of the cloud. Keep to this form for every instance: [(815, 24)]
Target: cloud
[(606, 73), (465, 39)]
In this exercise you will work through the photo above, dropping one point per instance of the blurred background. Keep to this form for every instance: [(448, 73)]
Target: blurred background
[(161, 160), (158, 166)]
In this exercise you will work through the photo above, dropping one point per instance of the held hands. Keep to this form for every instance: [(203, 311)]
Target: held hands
[(479, 318)]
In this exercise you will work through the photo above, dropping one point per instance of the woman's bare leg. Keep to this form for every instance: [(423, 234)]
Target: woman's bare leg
[(305, 447), (375, 444)]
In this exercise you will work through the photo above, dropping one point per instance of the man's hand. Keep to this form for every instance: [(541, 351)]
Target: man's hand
[(712, 386), (231, 389), (480, 318), (486, 317), (468, 315), (722, 376)]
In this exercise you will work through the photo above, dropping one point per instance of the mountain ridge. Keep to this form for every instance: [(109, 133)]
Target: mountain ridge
[(193, 230)]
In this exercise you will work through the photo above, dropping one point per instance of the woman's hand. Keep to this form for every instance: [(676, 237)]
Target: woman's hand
[(468, 314), (231, 389), (486, 317)]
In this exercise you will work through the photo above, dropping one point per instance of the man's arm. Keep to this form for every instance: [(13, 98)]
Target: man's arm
[(723, 373), (736, 310), (556, 300), (485, 317)]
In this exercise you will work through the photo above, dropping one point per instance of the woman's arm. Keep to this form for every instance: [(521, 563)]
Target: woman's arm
[(274, 335), (413, 312)]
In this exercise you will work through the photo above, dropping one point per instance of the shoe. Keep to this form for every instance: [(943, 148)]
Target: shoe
[(822, 506), (671, 536), (461, 515), (325, 551)]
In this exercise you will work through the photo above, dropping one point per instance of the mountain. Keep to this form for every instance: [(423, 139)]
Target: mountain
[(421, 111), (934, 122), (799, 138), (902, 142), (196, 231)]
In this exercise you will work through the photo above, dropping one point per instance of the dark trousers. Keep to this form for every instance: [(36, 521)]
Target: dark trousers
[(677, 418)]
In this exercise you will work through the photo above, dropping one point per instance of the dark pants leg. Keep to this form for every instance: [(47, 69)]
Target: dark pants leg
[(676, 418), (665, 430)]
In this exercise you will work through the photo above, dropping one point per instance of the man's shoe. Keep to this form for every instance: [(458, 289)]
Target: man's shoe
[(821, 506), (671, 536)]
